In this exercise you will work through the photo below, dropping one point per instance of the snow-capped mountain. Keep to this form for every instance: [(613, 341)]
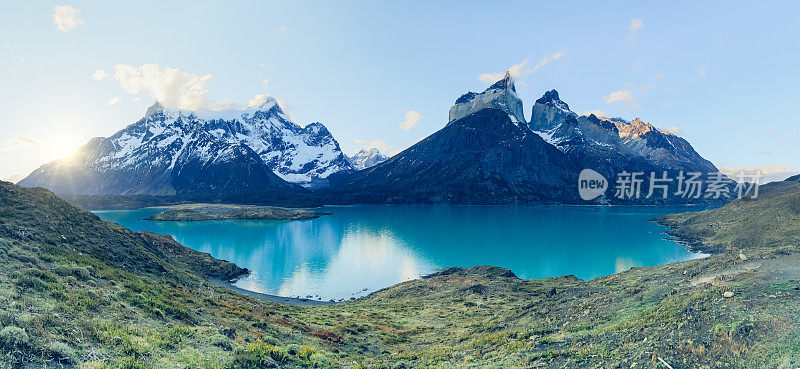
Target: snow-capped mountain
[(614, 143), (488, 154), (501, 95), (366, 158), (163, 152), (483, 158)]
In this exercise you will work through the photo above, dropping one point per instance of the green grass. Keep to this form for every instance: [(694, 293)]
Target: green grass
[(81, 292)]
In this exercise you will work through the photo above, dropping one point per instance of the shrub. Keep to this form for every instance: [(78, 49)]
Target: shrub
[(132, 363), (81, 273), (222, 342), (44, 275), (27, 282), (174, 336), (62, 270), (264, 350), (61, 352), (24, 256), (259, 355), (305, 352), (13, 337)]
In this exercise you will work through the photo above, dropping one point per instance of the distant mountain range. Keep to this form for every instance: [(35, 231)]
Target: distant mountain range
[(177, 152), (487, 153), (367, 158)]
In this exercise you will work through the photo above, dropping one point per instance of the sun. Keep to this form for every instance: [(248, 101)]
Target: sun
[(62, 145)]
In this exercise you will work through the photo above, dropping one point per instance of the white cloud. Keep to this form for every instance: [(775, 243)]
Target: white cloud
[(674, 130), (598, 113), (113, 100), (99, 75), (174, 88), (9, 47), (283, 29), (516, 71), (701, 72), (257, 100), (383, 146), (260, 99), (624, 96), (21, 59), (770, 173), (66, 18), (266, 84), (548, 59), (18, 142), (14, 178), (412, 117), (519, 70), (169, 86), (634, 26)]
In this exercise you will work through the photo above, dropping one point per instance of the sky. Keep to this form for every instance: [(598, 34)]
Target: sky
[(384, 74)]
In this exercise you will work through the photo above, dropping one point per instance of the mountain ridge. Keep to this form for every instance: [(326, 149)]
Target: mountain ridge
[(261, 146)]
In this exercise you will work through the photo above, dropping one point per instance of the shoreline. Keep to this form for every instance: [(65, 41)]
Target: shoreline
[(294, 301), (670, 233)]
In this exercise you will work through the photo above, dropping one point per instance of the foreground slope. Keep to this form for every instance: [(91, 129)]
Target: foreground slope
[(76, 291)]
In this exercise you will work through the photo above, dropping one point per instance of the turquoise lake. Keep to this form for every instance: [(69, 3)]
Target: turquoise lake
[(360, 249)]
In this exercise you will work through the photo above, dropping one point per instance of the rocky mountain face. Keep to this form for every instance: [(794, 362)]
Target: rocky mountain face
[(612, 145), (366, 158), (549, 111), (176, 152), (501, 95), (488, 154), (482, 158)]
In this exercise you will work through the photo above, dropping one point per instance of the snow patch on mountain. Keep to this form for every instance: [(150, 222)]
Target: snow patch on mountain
[(366, 158), (165, 139)]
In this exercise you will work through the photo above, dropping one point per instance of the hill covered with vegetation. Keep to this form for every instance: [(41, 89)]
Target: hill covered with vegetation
[(81, 292)]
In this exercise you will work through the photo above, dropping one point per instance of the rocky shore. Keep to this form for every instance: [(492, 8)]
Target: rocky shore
[(202, 212)]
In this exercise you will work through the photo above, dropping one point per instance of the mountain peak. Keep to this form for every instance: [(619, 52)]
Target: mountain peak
[(549, 112), (366, 158), (507, 82), (269, 102), (549, 96), (154, 109), (500, 95)]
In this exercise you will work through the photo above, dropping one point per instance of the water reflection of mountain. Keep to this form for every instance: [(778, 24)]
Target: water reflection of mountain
[(371, 247)]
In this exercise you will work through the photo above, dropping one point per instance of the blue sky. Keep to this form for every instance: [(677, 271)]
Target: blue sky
[(724, 74)]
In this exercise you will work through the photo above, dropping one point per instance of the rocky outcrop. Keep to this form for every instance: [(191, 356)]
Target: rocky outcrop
[(548, 112), (501, 95)]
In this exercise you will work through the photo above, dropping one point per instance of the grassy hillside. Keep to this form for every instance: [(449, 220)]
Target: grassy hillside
[(766, 224), (81, 292)]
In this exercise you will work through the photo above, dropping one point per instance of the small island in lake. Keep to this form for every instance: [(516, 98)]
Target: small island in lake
[(201, 212)]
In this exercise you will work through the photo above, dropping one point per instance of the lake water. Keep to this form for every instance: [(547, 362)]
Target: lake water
[(360, 249)]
